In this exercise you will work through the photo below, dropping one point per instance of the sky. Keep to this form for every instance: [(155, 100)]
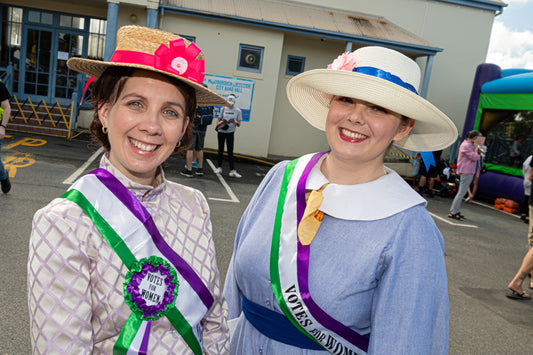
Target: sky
[(511, 40)]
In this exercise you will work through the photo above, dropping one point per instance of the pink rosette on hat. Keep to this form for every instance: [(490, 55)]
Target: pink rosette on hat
[(180, 59), (345, 61)]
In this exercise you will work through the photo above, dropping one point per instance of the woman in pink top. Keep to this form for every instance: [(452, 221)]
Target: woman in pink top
[(467, 164)]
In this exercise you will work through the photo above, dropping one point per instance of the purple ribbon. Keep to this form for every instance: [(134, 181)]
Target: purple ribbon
[(382, 74), (303, 270), (144, 345), (140, 212)]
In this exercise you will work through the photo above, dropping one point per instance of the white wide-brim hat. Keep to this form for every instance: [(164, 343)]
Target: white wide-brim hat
[(380, 76), (158, 51)]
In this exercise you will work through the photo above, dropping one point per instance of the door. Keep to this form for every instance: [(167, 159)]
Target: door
[(46, 73), (38, 59), (66, 80)]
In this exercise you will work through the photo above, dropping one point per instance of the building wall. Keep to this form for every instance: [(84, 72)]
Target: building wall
[(220, 43), (275, 128), (462, 32), (291, 134)]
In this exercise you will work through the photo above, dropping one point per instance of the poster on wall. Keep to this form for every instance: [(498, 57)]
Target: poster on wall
[(243, 89)]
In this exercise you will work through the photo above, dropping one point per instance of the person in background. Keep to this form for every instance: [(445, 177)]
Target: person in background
[(5, 113), (429, 174), (516, 150), (467, 163), (204, 117), (524, 206), (482, 149), (233, 116), (335, 251), (124, 262), (515, 286)]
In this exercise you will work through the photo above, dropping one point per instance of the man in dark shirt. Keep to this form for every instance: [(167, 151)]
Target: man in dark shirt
[(204, 117)]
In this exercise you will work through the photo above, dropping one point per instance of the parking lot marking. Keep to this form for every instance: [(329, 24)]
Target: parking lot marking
[(81, 169), (29, 142), (18, 160), (453, 223), (225, 184)]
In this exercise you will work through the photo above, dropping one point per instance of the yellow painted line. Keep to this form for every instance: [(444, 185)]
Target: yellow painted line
[(35, 112), (12, 163), (243, 157), (49, 114), (29, 142), (20, 109)]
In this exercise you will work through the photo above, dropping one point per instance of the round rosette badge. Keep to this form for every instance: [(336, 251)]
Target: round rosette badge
[(151, 288)]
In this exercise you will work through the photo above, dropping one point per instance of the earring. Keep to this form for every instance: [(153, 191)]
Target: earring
[(179, 144), (104, 129)]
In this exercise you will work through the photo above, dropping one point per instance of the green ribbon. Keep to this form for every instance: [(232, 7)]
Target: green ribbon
[(127, 335), (274, 251), (121, 249)]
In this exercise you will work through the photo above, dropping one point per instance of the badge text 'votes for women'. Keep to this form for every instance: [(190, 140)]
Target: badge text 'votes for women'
[(152, 288)]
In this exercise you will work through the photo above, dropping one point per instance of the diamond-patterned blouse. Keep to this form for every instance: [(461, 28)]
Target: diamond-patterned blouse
[(75, 280)]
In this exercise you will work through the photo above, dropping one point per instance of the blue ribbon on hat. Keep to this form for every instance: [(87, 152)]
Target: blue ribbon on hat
[(382, 74)]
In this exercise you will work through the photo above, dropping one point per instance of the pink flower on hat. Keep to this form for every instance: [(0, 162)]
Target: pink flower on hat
[(345, 61), (180, 59)]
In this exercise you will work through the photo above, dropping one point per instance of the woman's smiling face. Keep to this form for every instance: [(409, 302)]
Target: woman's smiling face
[(359, 132), (144, 125)]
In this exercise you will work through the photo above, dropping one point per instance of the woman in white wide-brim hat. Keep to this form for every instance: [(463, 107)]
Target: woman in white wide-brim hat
[(372, 279), (124, 261)]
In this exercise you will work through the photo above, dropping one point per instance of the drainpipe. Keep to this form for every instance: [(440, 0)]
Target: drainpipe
[(111, 31), (348, 47), (427, 76)]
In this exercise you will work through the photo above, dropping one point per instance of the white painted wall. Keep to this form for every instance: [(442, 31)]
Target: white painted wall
[(220, 42), (462, 32), (275, 128)]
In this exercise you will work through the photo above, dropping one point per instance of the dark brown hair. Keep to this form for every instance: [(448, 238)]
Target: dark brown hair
[(473, 134), (108, 88)]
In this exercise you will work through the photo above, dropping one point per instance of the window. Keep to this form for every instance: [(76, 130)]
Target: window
[(189, 38), (46, 18), (250, 58), (97, 31), (295, 65), (72, 21)]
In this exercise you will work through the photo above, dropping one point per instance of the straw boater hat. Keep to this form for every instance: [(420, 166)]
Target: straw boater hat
[(159, 51), (380, 76)]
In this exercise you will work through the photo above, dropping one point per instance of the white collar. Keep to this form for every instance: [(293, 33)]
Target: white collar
[(381, 198)]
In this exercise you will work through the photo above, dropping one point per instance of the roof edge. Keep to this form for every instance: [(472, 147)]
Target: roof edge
[(427, 50), (479, 4)]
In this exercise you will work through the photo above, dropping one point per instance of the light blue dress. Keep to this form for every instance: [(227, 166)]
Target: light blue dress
[(376, 265)]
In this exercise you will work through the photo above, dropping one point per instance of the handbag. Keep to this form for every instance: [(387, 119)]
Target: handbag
[(222, 125)]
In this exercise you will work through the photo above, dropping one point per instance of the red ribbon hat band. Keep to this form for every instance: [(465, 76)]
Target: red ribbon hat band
[(177, 59)]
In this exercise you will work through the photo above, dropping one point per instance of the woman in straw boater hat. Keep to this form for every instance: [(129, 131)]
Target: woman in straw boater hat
[(336, 252), (124, 261)]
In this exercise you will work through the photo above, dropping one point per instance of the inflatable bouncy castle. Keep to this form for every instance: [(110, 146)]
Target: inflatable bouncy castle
[(501, 107)]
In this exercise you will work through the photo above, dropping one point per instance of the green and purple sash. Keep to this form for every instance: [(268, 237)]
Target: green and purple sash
[(159, 282), (289, 268)]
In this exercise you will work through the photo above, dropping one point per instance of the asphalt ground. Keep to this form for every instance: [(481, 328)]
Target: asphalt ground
[(482, 253)]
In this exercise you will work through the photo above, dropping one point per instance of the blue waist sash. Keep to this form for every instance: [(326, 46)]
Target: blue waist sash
[(276, 326)]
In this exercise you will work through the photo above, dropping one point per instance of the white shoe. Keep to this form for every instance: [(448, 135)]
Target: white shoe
[(218, 171), (235, 174)]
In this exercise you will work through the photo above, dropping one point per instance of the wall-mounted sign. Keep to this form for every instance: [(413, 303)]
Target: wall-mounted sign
[(243, 89)]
